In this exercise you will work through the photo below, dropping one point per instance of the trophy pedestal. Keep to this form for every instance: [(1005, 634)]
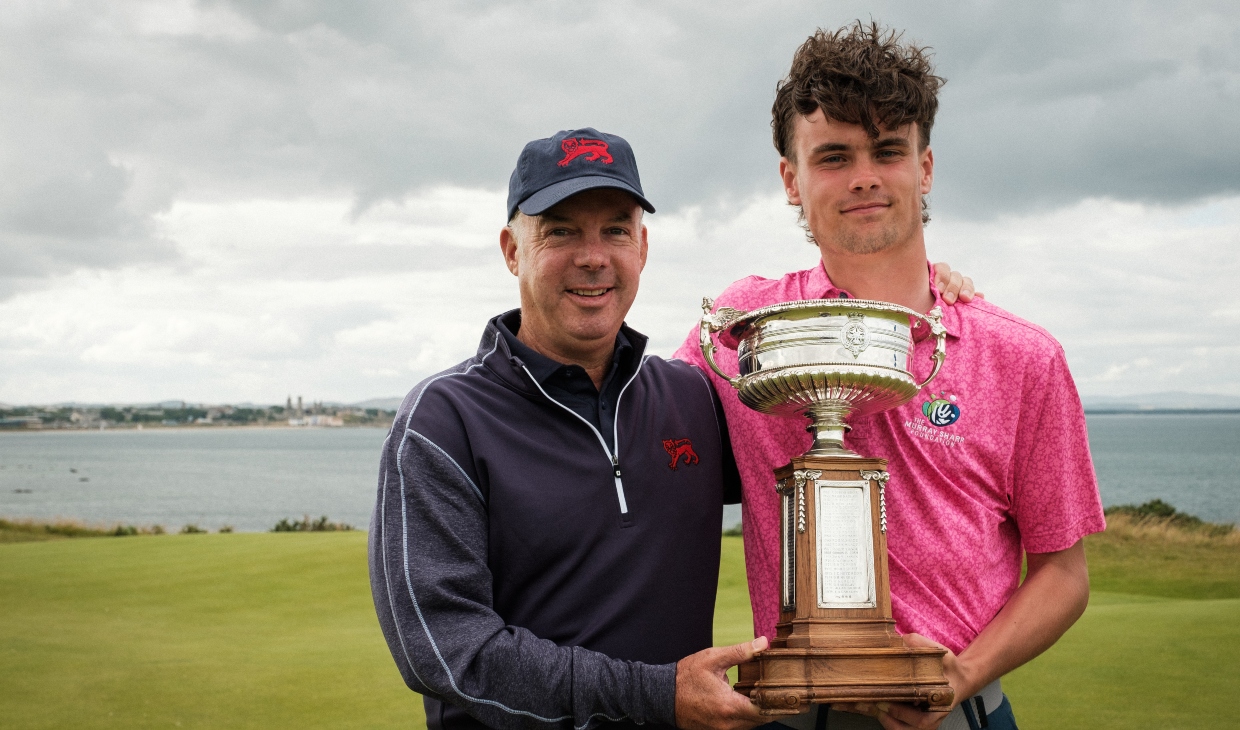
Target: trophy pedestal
[(836, 640)]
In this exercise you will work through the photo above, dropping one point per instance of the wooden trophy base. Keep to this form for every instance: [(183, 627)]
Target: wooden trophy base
[(786, 680), (824, 654)]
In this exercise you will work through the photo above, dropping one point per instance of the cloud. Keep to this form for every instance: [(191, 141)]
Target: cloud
[(111, 112), (1139, 295), (226, 199), (267, 298)]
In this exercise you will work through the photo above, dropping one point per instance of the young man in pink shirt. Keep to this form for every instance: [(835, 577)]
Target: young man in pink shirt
[(990, 466)]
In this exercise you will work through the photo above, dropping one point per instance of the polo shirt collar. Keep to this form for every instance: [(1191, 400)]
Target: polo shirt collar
[(818, 285), (541, 367)]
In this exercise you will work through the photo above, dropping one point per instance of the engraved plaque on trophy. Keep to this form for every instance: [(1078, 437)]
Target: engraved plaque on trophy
[(845, 553), (827, 360)]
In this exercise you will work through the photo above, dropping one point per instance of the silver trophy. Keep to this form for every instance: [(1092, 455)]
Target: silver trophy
[(829, 359), (826, 359)]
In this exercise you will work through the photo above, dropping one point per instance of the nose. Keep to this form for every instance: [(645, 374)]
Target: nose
[(865, 177), (592, 254)]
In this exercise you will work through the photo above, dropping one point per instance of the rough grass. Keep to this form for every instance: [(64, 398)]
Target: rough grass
[(28, 530), (1154, 557)]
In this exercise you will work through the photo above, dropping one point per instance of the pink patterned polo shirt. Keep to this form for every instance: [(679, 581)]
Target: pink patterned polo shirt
[(990, 459)]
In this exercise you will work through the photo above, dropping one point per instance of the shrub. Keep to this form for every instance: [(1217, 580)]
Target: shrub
[(192, 529), (322, 524), (1159, 520), (226, 529), (28, 529)]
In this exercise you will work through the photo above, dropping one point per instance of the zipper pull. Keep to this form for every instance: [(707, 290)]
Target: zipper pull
[(615, 470)]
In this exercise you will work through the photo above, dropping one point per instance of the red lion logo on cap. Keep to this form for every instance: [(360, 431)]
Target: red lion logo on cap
[(677, 448), (595, 150)]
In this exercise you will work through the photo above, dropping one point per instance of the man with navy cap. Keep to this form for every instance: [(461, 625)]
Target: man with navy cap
[(544, 550)]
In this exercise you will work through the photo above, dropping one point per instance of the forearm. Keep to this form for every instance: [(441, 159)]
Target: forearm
[(1051, 599)]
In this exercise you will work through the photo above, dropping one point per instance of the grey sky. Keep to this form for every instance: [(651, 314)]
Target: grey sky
[(114, 114), (112, 109)]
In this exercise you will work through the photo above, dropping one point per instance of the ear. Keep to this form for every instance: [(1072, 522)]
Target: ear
[(927, 170), (788, 171), (645, 246), (508, 246)]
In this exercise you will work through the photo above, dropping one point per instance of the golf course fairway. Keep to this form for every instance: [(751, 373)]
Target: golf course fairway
[(278, 630)]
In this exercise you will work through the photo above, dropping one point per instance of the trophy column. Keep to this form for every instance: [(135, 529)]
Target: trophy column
[(836, 639)]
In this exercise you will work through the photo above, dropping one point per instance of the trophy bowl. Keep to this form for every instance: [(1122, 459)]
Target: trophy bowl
[(827, 359)]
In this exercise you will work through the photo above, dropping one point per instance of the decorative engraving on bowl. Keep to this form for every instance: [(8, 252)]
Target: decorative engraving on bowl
[(856, 335)]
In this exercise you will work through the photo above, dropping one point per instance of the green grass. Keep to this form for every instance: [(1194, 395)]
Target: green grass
[(277, 630), (1134, 661), (209, 631)]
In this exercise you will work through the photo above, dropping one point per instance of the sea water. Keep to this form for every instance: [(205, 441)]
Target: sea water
[(250, 478), (1189, 460)]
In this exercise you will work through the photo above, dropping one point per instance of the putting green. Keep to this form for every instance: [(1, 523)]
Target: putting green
[(277, 630), (1133, 661), (210, 631)]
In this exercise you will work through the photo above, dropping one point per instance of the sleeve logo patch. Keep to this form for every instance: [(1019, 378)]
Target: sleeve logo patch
[(677, 448)]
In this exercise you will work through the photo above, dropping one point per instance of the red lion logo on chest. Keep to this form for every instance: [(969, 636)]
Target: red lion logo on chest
[(677, 448), (595, 150)]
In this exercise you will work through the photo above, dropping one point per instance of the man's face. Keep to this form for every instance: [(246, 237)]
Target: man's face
[(578, 266), (860, 195)]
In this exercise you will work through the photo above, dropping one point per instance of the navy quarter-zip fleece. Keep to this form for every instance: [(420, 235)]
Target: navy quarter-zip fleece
[(518, 580)]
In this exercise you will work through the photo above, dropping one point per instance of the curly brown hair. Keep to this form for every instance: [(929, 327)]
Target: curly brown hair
[(859, 74)]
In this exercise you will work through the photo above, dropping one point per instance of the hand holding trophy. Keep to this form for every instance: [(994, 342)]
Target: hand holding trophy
[(827, 360)]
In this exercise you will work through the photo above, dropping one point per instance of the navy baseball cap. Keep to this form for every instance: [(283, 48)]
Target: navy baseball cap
[(550, 170)]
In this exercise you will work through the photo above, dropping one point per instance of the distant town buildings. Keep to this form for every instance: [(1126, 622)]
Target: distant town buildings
[(179, 414), (317, 421)]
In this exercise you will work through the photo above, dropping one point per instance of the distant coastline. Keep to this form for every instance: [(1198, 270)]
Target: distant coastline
[(179, 414), (1161, 411), (128, 428)]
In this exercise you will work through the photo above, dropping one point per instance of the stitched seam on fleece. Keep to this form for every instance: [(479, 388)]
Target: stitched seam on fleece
[(387, 578)]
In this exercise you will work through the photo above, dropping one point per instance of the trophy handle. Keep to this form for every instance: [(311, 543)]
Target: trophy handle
[(716, 322), (934, 318)]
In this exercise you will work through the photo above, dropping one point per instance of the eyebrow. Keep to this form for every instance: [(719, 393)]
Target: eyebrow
[(892, 142), (552, 217), (841, 147)]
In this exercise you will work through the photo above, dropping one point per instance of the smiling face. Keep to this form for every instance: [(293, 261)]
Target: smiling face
[(578, 266), (860, 195)]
